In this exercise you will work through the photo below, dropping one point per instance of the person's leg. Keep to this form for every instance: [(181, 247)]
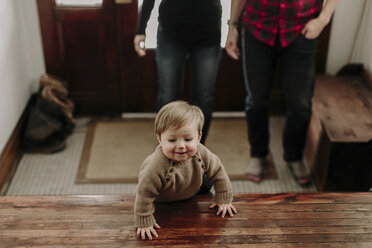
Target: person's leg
[(259, 61), (170, 61), (205, 187), (298, 60), (204, 64)]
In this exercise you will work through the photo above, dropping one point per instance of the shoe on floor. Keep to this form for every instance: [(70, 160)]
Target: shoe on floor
[(255, 169), (300, 172)]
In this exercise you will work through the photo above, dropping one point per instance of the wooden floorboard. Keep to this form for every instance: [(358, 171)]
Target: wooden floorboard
[(263, 220)]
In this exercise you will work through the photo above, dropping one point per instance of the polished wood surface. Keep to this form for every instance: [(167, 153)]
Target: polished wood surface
[(263, 220)]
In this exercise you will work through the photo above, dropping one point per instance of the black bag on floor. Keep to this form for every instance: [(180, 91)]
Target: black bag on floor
[(50, 120)]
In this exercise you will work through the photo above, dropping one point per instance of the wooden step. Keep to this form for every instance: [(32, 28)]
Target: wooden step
[(263, 220)]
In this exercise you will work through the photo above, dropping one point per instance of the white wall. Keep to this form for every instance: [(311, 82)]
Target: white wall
[(21, 61), (346, 46)]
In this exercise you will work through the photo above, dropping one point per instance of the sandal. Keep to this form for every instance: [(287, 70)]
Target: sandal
[(255, 168), (300, 172)]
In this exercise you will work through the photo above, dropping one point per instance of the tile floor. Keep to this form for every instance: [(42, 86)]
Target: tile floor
[(54, 174)]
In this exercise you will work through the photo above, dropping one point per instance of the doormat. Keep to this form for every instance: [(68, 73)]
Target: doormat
[(115, 149)]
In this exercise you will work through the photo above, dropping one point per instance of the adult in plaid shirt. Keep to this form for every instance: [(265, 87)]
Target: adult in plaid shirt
[(285, 30)]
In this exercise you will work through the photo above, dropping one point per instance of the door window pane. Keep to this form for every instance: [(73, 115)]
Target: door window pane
[(152, 25), (79, 3)]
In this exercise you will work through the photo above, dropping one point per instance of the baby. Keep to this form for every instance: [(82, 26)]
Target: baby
[(179, 168)]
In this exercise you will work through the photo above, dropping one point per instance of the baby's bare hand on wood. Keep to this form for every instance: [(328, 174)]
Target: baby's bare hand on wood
[(224, 208), (148, 231)]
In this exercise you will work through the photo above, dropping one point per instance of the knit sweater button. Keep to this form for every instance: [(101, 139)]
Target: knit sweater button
[(167, 179), (171, 170), (199, 160), (203, 166)]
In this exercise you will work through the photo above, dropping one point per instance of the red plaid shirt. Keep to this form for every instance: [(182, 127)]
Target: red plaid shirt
[(264, 18)]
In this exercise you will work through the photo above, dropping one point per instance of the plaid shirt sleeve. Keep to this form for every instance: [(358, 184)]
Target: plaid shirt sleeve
[(265, 18)]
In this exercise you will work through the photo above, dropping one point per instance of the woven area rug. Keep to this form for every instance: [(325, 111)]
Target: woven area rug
[(114, 149)]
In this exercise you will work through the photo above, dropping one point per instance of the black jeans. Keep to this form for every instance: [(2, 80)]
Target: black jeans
[(298, 66)]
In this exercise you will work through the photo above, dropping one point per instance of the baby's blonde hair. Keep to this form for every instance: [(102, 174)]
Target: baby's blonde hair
[(176, 114)]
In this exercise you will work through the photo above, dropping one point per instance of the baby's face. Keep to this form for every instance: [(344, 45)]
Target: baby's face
[(180, 144)]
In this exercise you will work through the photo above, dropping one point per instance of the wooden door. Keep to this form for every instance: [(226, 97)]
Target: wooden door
[(80, 47)]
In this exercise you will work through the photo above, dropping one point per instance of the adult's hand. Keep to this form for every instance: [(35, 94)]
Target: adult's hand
[(139, 44), (313, 28), (231, 46)]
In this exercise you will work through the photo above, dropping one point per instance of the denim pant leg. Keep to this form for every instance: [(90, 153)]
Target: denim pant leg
[(170, 61), (205, 187), (204, 64), (298, 63), (259, 61)]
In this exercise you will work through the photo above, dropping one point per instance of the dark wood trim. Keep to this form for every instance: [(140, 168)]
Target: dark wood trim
[(322, 49), (129, 63), (51, 44), (12, 151), (9, 158)]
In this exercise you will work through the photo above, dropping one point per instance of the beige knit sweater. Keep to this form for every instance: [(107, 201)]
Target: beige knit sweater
[(161, 179)]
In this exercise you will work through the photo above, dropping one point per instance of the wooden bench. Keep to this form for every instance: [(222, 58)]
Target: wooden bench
[(339, 141), (263, 220)]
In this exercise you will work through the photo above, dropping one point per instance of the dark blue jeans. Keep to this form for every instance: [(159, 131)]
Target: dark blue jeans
[(298, 67), (171, 59), (206, 186)]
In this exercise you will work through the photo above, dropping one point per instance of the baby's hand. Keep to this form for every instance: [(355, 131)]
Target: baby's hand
[(148, 231), (223, 208)]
